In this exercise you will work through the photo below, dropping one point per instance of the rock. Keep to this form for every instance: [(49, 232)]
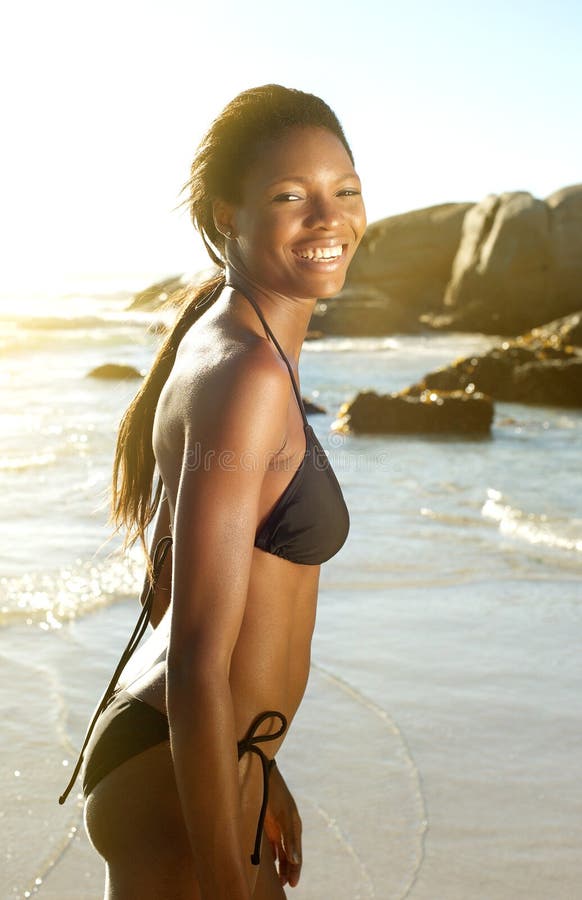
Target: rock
[(563, 332), (565, 208), (156, 294), (114, 371), (400, 269), (431, 412), (171, 291), (313, 408), (360, 313), (519, 264), (501, 266), (550, 382), (541, 366)]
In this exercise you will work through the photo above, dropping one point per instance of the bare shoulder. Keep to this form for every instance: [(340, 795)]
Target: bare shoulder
[(243, 388)]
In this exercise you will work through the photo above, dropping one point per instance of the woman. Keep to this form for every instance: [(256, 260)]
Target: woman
[(178, 774)]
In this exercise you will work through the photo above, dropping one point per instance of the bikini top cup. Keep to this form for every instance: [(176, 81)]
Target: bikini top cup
[(310, 521)]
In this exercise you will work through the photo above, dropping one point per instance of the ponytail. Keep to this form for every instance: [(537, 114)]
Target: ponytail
[(132, 505)]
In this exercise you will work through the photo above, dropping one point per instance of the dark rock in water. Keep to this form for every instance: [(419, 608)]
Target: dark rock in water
[(431, 412), (153, 297), (540, 367), (313, 408), (550, 382), (114, 371)]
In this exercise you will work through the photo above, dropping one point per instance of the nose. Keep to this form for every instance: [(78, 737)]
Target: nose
[(324, 212)]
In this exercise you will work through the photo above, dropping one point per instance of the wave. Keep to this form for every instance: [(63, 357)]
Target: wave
[(534, 528), (346, 344), (52, 598), (22, 463), (113, 319)]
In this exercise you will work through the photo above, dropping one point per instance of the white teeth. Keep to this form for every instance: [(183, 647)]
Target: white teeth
[(317, 253)]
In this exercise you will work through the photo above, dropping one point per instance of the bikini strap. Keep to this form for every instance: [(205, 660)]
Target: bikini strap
[(278, 346), (159, 557)]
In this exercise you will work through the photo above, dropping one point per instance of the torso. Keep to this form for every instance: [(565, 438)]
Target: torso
[(270, 663)]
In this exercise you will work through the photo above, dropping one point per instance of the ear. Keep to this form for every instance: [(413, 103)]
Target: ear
[(223, 215)]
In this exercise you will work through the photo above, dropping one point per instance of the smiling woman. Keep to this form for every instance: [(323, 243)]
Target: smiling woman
[(180, 732)]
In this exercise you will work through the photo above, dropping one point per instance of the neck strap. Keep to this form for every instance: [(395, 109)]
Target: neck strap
[(257, 309)]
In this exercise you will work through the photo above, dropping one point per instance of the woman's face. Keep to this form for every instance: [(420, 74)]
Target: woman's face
[(301, 217)]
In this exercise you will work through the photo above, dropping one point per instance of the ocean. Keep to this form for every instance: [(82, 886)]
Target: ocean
[(436, 755)]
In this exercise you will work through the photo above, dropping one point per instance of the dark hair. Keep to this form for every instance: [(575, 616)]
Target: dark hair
[(222, 160)]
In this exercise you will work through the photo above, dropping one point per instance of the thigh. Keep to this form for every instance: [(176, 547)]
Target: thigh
[(134, 820)]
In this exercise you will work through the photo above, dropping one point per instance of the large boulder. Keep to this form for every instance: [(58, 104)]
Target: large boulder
[(519, 263), (400, 269), (362, 312), (565, 209)]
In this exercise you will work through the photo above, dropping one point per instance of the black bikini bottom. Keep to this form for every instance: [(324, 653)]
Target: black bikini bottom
[(128, 725)]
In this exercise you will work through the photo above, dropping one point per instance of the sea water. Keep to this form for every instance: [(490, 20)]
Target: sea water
[(436, 753)]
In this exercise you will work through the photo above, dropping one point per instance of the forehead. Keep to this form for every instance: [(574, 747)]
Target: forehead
[(300, 152)]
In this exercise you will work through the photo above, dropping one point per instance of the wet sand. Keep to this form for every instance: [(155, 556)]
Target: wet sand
[(445, 769)]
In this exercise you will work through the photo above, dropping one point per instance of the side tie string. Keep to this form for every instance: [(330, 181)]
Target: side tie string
[(248, 745), (160, 554)]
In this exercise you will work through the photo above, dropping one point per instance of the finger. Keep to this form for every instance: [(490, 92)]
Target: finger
[(293, 841), (293, 873), (282, 866)]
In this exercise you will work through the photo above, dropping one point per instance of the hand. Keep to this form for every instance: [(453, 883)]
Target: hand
[(283, 829)]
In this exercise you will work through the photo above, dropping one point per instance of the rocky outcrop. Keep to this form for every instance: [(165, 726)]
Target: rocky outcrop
[(400, 269), (362, 312), (430, 412), (563, 332), (156, 294), (519, 263), (114, 371), (501, 266), (539, 367)]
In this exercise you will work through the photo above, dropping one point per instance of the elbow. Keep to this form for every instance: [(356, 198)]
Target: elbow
[(197, 667)]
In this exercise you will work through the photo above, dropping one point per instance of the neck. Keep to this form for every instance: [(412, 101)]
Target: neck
[(287, 317)]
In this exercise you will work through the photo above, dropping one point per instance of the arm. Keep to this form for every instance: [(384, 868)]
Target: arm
[(216, 516), (163, 588)]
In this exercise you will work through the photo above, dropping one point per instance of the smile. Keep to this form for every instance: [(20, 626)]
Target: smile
[(320, 254)]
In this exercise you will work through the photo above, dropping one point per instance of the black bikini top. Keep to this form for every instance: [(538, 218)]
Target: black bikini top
[(309, 523)]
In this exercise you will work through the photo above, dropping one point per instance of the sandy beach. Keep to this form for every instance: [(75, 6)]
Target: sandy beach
[(436, 754)]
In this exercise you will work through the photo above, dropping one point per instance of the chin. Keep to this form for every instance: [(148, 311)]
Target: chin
[(331, 292), (328, 288)]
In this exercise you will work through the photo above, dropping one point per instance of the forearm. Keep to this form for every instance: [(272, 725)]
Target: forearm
[(204, 751)]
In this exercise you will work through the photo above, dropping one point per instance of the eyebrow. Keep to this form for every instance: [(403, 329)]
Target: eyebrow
[(303, 180)]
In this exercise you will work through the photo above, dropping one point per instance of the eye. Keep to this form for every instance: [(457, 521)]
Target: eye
[(349, 192), (282, 198)]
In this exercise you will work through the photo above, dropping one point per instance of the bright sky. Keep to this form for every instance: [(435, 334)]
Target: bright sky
[(104, 103)]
